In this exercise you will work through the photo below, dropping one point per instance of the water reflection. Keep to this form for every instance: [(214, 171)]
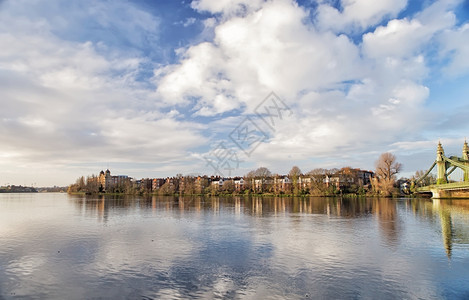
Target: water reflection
[(388, 220), (385, 210), (233, 247), (452, 216), (100, 206)]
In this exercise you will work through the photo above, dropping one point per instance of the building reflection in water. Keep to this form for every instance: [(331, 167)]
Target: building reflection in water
[(96, 206), (215, 205), (101, 206), (452, 216)]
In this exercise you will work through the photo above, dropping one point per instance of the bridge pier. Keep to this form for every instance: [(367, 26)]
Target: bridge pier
[(438, 194), (446, 194)]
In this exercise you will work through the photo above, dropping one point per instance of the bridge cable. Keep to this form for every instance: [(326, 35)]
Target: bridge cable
[(452, 170), (426, 174)]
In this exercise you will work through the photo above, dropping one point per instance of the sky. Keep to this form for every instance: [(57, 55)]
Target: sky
[(159, 88)]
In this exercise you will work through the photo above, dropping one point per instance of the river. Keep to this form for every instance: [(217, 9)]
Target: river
[(58, 246)]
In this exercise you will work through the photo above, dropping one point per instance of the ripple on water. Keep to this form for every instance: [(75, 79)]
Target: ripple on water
[(168, 250)]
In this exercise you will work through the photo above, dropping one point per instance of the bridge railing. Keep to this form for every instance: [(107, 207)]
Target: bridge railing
[(446, 186)]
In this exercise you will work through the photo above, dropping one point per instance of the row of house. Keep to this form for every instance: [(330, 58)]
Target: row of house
[(340, 180)]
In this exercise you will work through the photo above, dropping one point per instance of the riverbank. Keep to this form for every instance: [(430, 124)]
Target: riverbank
[(18, 189), (266, 195)]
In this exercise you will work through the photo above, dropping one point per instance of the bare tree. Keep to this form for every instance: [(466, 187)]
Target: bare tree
[(92, 184), (386, 169), (167, 189), (248, 180), (429, 180), (262, 172), (294, 174), (250, 174), (277, 186), (81, 183), (201, 184), (228, 186), (387, 166), (317, 171)]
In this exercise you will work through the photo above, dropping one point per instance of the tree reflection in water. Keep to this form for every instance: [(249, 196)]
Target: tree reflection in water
[(233, 247), (384, 209)]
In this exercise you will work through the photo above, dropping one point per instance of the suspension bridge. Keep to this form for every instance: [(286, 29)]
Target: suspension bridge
[(445, 188)]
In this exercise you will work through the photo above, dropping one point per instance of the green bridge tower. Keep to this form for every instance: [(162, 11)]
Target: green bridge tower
[(465, 157), (440, 165), (444, 167)]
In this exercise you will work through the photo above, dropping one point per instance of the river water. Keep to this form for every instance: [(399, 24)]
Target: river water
[(57, 246)]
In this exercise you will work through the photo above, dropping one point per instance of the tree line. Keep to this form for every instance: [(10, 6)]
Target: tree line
[(383, 182)]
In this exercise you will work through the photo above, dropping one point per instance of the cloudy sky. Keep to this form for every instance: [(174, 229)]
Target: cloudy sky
[(156, 88)]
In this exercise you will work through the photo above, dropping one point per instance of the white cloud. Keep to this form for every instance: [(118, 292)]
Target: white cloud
[(398, 38), (227, 7), (343, 95), (68, 99), (67, 102), (200, 75), (270, 49), (456, 48), (357, 14), (419, 145), (407, 37), (189, 22)]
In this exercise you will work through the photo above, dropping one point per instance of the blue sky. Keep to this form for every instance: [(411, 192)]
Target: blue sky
[(156, 88)]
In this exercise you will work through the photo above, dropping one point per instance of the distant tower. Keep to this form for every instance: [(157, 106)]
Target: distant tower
[(102, 180), (441, 165), (465, 156), (107, 182)]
